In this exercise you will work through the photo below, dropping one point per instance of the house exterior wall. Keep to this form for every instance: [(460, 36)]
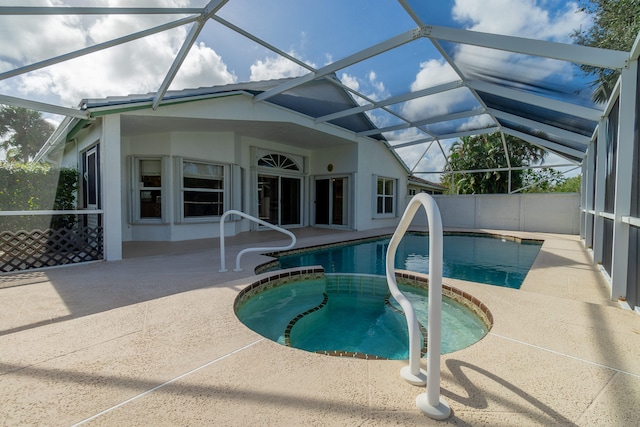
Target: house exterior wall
[(357, 159), (375, 160), (84, 140), (215, 147)]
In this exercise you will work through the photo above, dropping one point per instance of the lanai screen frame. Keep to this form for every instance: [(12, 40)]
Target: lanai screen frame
[(555, 136)]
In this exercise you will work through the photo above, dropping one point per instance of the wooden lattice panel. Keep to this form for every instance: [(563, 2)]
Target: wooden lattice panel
[(24, 250)]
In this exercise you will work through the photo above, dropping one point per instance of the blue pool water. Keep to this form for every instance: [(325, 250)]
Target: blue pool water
[(474, 258), (355, 318)]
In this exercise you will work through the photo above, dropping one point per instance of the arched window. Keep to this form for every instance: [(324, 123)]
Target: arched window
[(278, 161)]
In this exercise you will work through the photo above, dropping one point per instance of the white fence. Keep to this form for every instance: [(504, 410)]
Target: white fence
[(549, 212)]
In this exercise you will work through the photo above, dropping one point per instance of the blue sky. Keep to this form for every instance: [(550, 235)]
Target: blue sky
[(315, 32)]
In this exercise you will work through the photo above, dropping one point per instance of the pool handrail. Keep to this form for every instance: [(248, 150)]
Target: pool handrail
[(257, 249), (430, 403)]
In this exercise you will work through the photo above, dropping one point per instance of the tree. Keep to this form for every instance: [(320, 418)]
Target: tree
[(570, 185), (484, 153), (616, 24), (548, 180), (544, 180), (23, 132)]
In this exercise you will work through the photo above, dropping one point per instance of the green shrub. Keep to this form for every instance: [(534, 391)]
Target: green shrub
[(35, 186)]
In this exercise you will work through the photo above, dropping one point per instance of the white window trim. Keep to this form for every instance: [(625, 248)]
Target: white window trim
[(180, 189), (300, 161), (391, 214), (137, 187)]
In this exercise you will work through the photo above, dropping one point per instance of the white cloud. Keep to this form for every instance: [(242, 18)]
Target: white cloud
[(34, 38), (135, 67), (370, 86), (523, 18), (373, 89), (433, 73), (203, 67), (526, 18), (412, 154), (405, 135), (431, 161), (328, 59), (376, 89), (350, 81), (377, 85), (277, 67), (476, 122)]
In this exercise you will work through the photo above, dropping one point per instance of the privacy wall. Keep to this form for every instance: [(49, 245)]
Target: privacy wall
[(550, 213)]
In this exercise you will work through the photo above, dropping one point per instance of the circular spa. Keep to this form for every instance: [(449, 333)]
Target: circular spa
[(354, 314)]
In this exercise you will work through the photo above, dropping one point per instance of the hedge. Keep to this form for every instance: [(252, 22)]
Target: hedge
[(35, 186)]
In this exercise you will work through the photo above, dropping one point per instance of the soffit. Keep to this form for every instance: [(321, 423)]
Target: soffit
[(281, 132)]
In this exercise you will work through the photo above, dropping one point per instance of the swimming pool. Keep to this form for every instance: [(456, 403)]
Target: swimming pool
[(353, 315), (494, 260)]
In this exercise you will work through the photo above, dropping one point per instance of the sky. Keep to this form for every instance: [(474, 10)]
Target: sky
[(316, 33)]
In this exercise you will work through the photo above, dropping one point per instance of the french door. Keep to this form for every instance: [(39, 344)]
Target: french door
[(280, 199), (331, 201)]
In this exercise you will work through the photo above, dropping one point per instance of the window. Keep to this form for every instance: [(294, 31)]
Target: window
[(149, 173), (385, 196), (202, 189), (278, 161), (91, 178)]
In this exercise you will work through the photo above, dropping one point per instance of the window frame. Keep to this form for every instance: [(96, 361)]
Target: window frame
[(181, 190), (385, 197), (139, 186)]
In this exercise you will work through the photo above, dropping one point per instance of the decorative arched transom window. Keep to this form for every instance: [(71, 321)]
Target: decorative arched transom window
[(278, 161)]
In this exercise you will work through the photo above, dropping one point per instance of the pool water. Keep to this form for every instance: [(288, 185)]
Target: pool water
[(482, 259), (357, 316)]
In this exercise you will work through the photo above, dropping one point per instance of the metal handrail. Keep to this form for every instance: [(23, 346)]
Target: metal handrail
[(430, 402), (260, 249)]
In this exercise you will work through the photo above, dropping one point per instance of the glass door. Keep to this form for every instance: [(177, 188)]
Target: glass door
[(331, 201), (279, 200), (323, 201), (290, 202), (268, 198)]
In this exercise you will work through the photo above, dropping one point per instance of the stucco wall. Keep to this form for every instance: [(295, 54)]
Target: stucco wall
[(376, 160), (551, 213), (358, 159)]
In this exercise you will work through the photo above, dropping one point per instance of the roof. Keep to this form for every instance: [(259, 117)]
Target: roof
[(530, 87), (315, 99), (420, 182)]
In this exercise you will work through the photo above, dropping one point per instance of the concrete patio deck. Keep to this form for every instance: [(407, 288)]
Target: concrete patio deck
[(153, 340)]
